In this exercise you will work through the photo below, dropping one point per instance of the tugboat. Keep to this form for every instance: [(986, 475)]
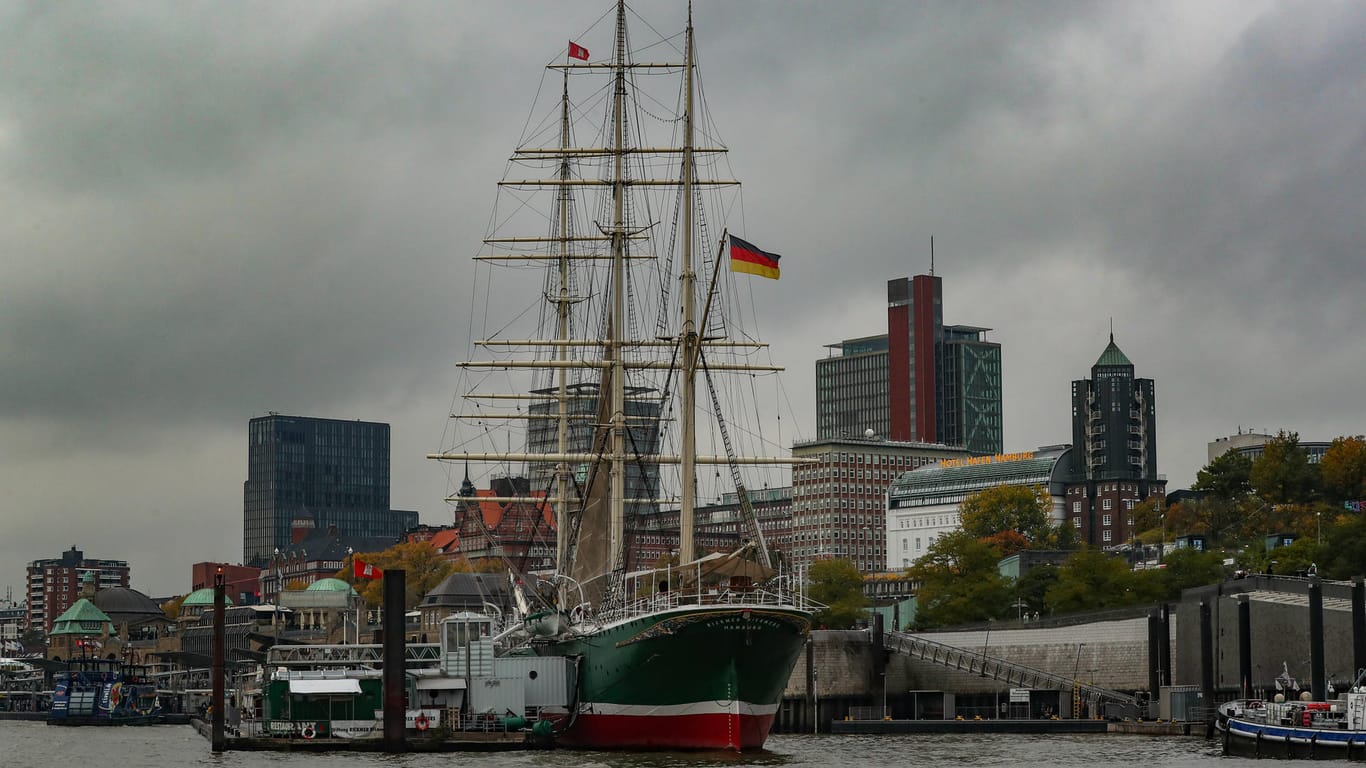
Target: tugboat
[(1302, 728)]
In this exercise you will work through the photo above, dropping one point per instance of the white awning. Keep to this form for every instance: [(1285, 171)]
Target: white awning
[(343, 685), (440, 683)]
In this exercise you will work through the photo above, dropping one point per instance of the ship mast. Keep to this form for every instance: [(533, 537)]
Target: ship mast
[(688, 335), (562, 433), (617, 526)]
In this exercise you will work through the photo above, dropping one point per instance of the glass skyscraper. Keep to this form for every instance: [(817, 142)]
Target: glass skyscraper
[(327, 471)]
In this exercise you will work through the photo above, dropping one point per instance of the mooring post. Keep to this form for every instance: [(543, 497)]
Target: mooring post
[(217, 740), (395, 705), (1154, 654), (1206, 656), (1358, 625), (1245, 645), (1164, 647), (1318, 681)]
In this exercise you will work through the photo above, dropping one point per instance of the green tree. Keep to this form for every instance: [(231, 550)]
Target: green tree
[(1091, 580), (425, 569), (1227, 477), (958, 582), (1294, 558), (1283, 474), (838, 585), (1343, 468), (1187, 568), (1344, 548), (1063, 536), (1003, 508), (1032, 588)]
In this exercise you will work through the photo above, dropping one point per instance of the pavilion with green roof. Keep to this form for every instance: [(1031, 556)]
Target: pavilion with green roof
[(77, 626)]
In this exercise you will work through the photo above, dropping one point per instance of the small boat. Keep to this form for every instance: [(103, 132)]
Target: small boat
[(1302, 728)]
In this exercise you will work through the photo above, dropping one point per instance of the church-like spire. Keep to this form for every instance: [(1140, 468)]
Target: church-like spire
[(1112, 355)]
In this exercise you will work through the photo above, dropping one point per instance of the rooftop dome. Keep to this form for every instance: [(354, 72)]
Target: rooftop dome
[(202, 597), (128, 604), (330, 585)]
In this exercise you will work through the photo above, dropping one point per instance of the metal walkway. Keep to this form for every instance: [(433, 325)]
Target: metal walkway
[(1010, 673)]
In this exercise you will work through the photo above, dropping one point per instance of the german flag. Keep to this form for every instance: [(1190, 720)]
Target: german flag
[(744, 257)]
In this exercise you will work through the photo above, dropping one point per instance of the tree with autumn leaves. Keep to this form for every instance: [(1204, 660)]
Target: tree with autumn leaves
[(1283, 491), (425, 568)]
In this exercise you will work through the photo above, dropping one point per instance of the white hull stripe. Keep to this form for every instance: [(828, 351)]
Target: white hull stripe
[(742, 708)]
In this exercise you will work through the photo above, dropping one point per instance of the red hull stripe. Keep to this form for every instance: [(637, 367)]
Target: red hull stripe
[(701, 732), (682, 710)]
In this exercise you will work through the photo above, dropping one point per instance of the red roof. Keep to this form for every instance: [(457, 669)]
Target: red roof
[(446, 541)]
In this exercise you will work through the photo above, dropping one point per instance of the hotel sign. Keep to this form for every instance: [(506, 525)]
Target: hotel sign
[(975, 460)]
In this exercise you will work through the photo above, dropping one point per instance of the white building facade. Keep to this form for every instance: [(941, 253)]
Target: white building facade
[(922, 505)]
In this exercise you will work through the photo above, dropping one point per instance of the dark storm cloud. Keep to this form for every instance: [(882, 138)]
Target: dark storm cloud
[(216, 210)]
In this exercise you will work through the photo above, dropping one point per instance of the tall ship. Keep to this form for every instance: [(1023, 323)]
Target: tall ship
[(621, 346)]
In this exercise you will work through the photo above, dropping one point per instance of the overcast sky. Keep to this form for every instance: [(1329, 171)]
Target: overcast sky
[(215, 210)]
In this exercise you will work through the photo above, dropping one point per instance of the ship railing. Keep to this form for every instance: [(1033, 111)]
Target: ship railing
[(753, 596)]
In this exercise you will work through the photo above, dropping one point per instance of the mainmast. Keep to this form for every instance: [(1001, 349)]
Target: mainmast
[(617, 527), (688, 334)]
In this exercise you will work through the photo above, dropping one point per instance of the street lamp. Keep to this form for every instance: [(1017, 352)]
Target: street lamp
[(1162, 542), (986, 644)]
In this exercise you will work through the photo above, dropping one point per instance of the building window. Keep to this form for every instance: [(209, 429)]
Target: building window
[(1105, 520), (1076, 507), (1076, 523), (1107, 504), (1105, 536)]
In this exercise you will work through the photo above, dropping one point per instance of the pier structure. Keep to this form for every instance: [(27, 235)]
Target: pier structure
[(1172, 661)]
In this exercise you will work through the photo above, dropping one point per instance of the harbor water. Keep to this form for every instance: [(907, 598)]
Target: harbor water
[(37, 745)]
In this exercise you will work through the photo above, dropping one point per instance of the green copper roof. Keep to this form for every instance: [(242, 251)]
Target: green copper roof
[(330, 585), (82, 618), (1112, 355), (202, 597)]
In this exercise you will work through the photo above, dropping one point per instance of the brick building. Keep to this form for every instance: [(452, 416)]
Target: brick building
[(54, 584)]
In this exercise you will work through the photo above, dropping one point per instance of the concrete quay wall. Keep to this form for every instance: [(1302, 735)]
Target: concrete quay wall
[(1279, 634), (1111, 654)]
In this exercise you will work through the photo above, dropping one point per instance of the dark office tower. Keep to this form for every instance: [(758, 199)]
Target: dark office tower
[(330, 472), (915, 330), (1114, 424)]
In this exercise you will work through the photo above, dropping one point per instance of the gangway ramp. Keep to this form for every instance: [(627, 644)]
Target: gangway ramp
[(1008, 672)]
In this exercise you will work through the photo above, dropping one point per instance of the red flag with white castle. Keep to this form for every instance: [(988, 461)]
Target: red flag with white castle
[(364, 570)]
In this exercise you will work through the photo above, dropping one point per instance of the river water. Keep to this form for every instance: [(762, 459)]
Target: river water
[(37, 745)]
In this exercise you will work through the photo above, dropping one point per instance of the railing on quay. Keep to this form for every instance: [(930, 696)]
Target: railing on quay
[(1009, 672)]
